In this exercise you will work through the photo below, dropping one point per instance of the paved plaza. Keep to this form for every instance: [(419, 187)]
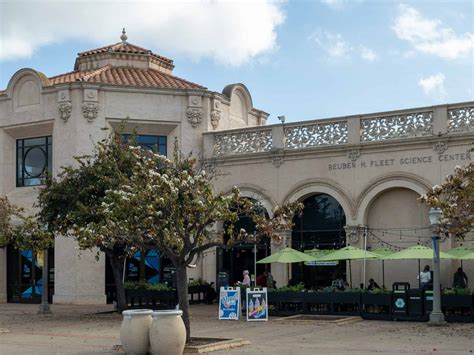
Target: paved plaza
[(82, 330)]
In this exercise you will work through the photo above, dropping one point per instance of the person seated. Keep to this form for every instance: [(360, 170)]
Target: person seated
[(372, 285), (261, 280)]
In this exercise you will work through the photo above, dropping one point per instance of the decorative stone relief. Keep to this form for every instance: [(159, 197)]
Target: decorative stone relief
[(277, 161), (65, 109), (440, 147), (215, 118), (394, 127), (194, 115), (90, 110), (243, 142), (461, 119), (307, 136), (353, 154)]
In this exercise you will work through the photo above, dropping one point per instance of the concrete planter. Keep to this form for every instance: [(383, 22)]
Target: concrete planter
[(167, 333), (134, 331)]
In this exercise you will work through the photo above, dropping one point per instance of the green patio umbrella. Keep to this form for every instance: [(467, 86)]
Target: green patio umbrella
[(287, 256), (382, 252), (469, 256), (417, 252), (349, 253), (460, 251)]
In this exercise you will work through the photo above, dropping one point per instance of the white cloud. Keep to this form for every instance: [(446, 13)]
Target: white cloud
[(340, 4), (231, 33), (367, 54), (431, 36), (337, 48), (433, 86)]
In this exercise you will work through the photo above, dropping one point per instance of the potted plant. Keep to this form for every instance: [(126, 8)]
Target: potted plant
[(458, 304), (376, 303)]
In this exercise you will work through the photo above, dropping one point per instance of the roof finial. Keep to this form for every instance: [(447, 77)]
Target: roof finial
[(123, 37)]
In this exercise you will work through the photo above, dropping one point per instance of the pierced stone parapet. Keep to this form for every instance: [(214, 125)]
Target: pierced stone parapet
[(243, 142), (396, 127), (461, 119), (316, 134)]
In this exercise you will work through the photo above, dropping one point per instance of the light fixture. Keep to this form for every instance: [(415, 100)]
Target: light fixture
[(282, 118), (435, 215)]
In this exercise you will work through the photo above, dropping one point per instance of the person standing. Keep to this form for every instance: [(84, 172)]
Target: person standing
[(460, 279), (246, 280), (425, 278)]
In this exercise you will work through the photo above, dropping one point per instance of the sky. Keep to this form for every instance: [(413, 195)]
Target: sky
[(302, 59)]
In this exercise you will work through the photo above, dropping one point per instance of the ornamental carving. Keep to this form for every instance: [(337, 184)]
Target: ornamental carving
[(90, 110), (353, 154), (394, 127), (461, 119), (194, 115), (277, 161), (65, 109), (215, 118), (306, 136), (243, 142), (440, 147)]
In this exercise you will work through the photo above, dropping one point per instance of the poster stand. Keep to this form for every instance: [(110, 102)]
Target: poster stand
[(257, 304), (229, 303)]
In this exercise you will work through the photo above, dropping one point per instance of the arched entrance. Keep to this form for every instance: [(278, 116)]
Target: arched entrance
[(231, 262), (321, 226)]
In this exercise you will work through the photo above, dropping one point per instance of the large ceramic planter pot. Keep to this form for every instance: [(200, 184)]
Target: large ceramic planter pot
[(167, 333), (134, 331)]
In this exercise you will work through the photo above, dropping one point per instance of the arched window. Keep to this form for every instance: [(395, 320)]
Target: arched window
[(320, 226)]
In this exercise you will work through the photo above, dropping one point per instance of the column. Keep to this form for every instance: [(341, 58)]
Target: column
[(3, 275), (281, 272)]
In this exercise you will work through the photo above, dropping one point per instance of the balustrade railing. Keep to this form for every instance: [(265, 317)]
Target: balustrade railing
[(396, 127), (315, 134), (461, 119), (337, 132), (246, 142)]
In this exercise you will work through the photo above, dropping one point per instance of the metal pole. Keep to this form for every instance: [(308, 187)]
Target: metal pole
[(255, 262), (44, 306), (365, 259), (383, 273), (436, 315)]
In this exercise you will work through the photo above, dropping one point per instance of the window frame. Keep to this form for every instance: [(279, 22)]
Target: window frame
[(20, 154)]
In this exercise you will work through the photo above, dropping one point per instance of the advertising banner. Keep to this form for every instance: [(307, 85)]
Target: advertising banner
[(257, 304), (229, 303)]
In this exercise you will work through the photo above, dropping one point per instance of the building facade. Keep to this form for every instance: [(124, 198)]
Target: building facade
[(358, 176)]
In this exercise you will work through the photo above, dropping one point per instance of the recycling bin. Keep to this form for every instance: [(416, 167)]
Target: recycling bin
[(400, 299)]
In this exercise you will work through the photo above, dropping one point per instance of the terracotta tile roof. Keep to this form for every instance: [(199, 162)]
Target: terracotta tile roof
[(124, 47), (125, 76)]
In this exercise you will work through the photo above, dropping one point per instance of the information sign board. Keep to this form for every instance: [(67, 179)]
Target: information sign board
[(257, 304), (229, 303)]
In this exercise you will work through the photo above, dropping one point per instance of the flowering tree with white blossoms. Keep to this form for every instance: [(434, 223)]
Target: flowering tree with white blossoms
[(455, 197), (172, 203), (73, 206)]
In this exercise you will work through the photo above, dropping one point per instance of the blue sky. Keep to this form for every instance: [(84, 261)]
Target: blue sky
[(303, 59)]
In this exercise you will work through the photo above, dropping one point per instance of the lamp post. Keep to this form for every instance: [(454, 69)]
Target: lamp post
[(44, 306), (436, 315)]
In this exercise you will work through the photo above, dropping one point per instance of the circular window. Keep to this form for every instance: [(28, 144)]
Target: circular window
[(34, 162)]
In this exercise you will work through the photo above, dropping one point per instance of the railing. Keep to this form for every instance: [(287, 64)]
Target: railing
[(352, 130)]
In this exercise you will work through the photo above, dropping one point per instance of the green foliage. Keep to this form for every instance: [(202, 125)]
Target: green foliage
[(132, 285), (198, 282), (296, 288), (377, 291), (456, 291), (20, 230)]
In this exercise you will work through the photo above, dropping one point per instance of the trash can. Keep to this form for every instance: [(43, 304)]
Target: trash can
[(428, 302), (400, 299), (415, 303)]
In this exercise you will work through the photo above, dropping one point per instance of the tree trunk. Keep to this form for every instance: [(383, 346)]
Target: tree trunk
[(142, 265), (182, 287), (116, 262)]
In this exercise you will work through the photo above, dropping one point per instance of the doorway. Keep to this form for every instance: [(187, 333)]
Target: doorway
[(25, 275)]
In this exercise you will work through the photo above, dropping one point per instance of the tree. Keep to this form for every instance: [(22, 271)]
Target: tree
[(21, 231), (455, 197), (74, 200), (172, 205)]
